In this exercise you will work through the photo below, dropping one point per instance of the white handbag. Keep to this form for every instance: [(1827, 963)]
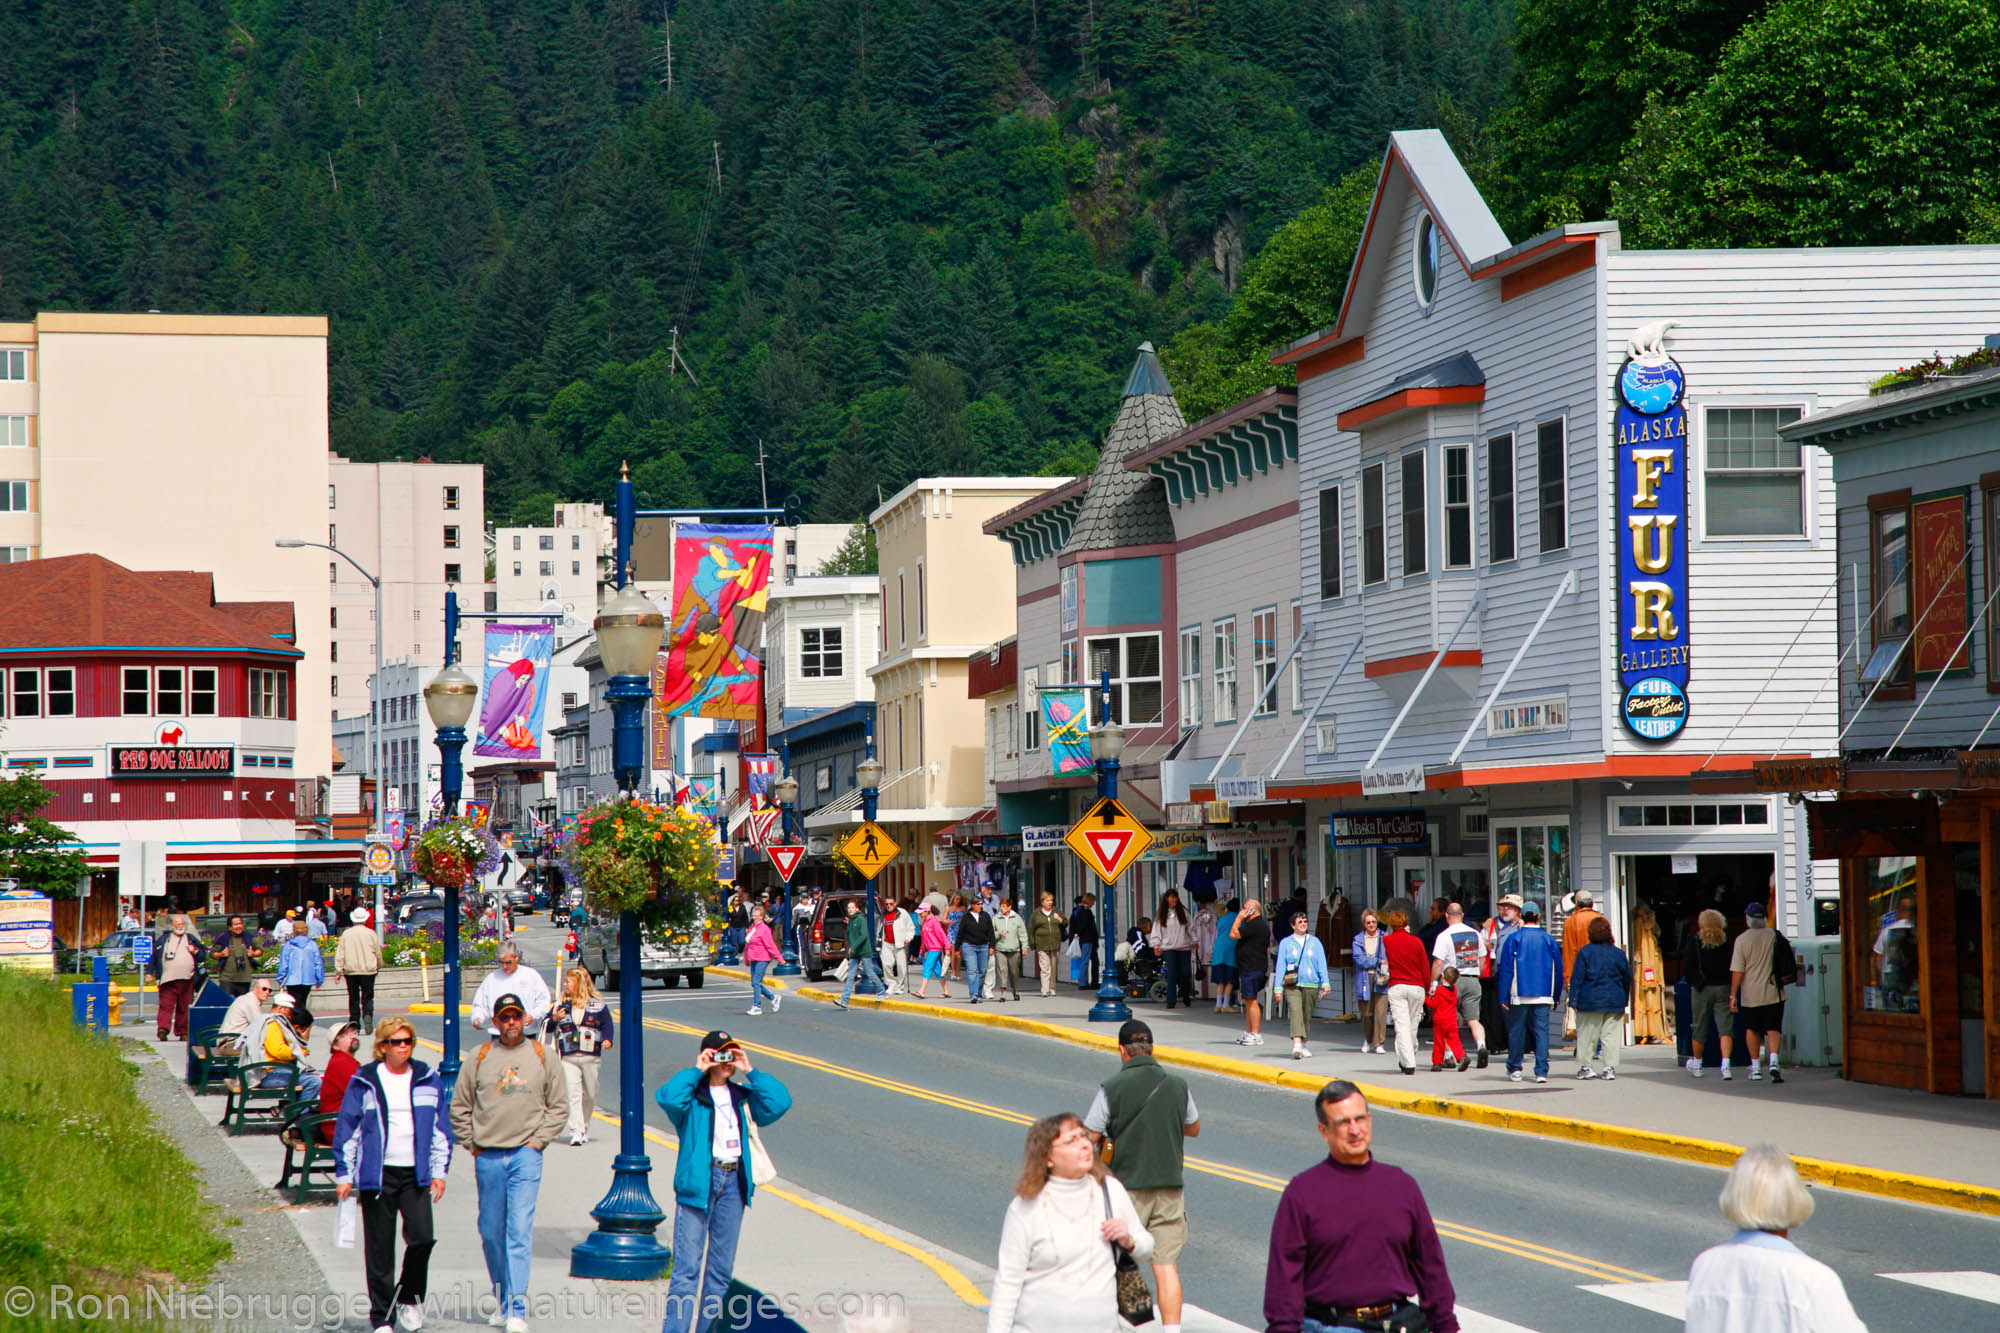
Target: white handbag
[(846, 966), (762, 1169)]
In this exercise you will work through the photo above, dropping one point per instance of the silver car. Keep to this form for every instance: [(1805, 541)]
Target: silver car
[(597, 949)]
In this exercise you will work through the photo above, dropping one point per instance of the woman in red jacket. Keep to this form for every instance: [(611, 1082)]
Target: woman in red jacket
[(1409, 979)]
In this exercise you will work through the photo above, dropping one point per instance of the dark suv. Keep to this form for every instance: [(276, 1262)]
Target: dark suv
[(825, 944)]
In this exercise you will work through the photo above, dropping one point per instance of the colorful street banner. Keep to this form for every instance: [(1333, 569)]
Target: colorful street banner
[(1066, 722), (701, 794), (721, 576), (762, 771), (515, 691), (663, 722)]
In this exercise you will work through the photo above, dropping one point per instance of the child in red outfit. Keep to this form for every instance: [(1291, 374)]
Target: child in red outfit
[(1443, 1004)]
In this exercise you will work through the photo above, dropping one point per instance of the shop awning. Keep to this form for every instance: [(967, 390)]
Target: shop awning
[(980, 823)]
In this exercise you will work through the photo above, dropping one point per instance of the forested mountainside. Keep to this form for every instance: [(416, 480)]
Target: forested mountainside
[(874, 237)]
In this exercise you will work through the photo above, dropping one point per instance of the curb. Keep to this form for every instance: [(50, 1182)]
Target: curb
[(1954, 1194), (743, 974)]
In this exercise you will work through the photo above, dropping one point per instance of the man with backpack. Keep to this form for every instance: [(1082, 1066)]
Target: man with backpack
[(1761, 965)]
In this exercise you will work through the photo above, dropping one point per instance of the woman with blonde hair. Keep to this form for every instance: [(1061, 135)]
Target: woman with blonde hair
[(1705, 968), (580, 1029), (1057, 1273), (1758, 1281)]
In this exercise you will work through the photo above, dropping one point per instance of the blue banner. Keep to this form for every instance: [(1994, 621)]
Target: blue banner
[(1066, 722), (1651, 477), (515, 691)]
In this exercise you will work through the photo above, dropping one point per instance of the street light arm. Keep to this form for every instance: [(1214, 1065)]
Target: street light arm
[(293, 543)]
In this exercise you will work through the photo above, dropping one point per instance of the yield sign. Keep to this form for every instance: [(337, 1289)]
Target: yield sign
[(1108, 839), (761, 824), (785, 857)]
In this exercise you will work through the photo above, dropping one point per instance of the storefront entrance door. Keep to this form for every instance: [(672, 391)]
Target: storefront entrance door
[(1460, 879)]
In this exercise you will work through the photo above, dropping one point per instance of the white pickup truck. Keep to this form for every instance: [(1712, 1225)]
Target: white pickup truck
[(597, 945)]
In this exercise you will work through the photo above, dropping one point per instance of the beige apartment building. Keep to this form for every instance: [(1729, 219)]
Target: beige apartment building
[(179, 442), (541, 568), (419, 527), (944, 583)]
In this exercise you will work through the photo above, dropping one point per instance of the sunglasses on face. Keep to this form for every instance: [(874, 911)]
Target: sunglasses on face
[(400, 1041)]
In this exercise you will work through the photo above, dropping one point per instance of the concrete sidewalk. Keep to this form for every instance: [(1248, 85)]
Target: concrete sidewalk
[(1898, 1139), (830, 1269)]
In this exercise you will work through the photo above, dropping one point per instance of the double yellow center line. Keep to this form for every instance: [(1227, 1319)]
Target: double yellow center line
[(1593, 1269)]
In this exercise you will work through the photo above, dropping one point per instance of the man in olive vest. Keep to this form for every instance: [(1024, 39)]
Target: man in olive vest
[(1148, 1114), (236, 958)]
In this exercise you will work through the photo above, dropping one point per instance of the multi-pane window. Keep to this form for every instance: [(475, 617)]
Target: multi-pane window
[(517, 541), (451, 497), (1889, 578), (13, 363), (1298, 658), (1416, 542), (1753, 482), (270, 693), (1224, 668), (820, 653), (201, 691), (1329, 542), (1031, 707), (1133, 661), (25, 692), (1552, 478), (1458, 506), (517, 569), (1264, 660), (546, 541), (1069, 663), (61, 700), (451, 536), (332, 497), (135, 694), (1500, 498), (169, 691), (1992, 517), (548, 568), (13, 432), (13, 497), (452, 572), (575, 567), (1374, 529), (1191, 683), (575, 542), (13, 555)]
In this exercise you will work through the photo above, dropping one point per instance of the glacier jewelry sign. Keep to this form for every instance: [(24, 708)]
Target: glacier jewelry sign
[(1651, 477)]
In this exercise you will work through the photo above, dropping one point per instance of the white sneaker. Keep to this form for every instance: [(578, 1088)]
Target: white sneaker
[(1381, 1050), (1302, 1053), (1586, 1072), (1694, 1066), (1365, 1048), (1246, 1040), (1540, 1078), (497, 1319), (516, 1324), (755, 1010), (1727, 1073), (1756, 1074), (410, 1317), (1514, 1076), (385, 1328), (1610, 1076), (1256, 1039), (776, 1001)]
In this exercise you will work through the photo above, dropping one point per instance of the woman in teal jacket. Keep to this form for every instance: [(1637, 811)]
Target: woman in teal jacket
[(712, 1184), (1302, 968)]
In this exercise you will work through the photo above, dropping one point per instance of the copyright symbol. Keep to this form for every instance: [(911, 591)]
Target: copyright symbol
[(19, 1301)]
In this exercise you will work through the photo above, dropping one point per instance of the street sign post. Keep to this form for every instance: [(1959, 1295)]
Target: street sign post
[(1108, 839), (869, 848), (379, 865), (142, 954), (785, 859)]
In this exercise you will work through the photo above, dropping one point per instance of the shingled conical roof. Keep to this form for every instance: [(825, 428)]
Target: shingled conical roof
[(1123, 508)]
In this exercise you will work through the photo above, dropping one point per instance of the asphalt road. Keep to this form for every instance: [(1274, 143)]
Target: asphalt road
[(920, 1123)]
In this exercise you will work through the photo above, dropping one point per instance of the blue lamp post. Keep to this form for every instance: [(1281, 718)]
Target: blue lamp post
[(623, 1246), (1107, 746), (869, 774), (786, 791), (449, 699)]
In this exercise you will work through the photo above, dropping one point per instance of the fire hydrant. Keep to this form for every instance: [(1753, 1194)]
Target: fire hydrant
[(114, 1003)]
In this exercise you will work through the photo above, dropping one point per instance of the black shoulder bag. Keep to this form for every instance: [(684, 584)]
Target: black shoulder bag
[(1135, 1298)]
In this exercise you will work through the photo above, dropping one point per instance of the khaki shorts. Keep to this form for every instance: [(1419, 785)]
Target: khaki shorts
[(1164, 1213)]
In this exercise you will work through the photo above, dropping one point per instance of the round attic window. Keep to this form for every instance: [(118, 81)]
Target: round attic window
[(1425, 260)]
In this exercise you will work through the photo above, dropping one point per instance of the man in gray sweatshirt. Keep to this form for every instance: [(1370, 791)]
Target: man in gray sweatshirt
[(511, 1100)]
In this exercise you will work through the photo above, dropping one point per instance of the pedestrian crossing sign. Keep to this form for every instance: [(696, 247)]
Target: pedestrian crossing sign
[(869, 848), (1108, 839)]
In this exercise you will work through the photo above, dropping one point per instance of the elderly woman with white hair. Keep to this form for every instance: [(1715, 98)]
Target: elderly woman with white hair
[(1758, 1281)]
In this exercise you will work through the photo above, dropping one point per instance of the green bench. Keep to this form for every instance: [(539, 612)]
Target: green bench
[(212, 1065), (274, 1103), (306, 1156)]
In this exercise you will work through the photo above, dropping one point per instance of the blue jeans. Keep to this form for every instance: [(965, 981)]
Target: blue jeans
[(1180, 976), (308, 1089), (509, 1180), (978, 957), (712, 1232), (758, 990), (1525, 1023), (868, 965)]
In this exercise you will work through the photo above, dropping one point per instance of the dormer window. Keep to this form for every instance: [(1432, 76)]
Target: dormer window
[(1425, 260)]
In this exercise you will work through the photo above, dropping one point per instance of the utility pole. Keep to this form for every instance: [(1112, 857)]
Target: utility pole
[(763, 483)]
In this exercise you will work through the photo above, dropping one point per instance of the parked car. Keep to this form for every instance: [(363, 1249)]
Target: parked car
[(418, 901), (421, 916), (116, 950), (521, 898), (597, 949), (825, 945)]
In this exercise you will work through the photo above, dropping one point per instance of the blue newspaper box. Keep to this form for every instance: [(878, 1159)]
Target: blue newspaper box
[(90, 1002), (208, 1010), (100, 969)]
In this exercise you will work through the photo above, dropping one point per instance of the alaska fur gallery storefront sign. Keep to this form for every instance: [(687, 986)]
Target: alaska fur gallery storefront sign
[(1653, 645)]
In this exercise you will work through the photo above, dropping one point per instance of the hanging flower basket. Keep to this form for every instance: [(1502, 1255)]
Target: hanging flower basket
[(635, 856), (452, 852)]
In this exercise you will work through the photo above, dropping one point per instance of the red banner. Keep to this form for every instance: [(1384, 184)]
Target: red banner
[(721, 576), (1938, 581)]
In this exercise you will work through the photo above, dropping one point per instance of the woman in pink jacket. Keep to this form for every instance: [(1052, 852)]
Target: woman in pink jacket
[(937, 943), (760, 950)]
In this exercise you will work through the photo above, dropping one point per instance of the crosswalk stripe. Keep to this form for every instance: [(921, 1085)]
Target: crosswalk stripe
[(1970, 1283), (1471, 1321), (1667, 1298)]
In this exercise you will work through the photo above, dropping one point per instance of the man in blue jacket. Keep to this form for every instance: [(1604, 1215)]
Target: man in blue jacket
[(300, 968), (712, 1180), (1530, 977)]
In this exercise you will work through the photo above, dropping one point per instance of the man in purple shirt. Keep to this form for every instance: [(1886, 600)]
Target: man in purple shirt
[(1353, 1245)]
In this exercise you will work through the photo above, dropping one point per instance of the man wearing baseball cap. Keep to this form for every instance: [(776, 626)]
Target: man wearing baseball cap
[(1148, 1114), (512, 1099), (714, 1107), (1505, 922), (1530, 977)]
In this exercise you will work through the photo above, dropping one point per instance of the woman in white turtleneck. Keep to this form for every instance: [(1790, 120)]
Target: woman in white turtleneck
[(1056, 1273)]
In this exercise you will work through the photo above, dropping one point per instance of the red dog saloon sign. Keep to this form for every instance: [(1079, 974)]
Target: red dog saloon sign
[(171, 761)]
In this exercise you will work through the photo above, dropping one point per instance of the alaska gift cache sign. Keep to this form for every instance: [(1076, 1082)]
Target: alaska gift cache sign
[(1652, 559), (172, 761)]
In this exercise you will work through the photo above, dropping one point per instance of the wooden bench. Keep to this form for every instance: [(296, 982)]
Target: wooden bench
[(306, 1156), (212, 1065), (244, 1092)]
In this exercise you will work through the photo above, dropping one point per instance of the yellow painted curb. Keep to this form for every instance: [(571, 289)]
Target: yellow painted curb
[(743, 974), (1960, 1195)]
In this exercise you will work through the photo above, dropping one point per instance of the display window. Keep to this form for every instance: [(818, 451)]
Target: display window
[(1889, 916), (1532, 859)]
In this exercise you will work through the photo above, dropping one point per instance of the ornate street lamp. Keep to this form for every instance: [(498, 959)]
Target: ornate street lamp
[(449, 699), (869, 774), (1107, 746), (786, 791), (623, 1247)]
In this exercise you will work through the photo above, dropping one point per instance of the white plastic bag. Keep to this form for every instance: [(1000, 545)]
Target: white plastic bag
[(1072, 950), (345, 1218), (846, 966)]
